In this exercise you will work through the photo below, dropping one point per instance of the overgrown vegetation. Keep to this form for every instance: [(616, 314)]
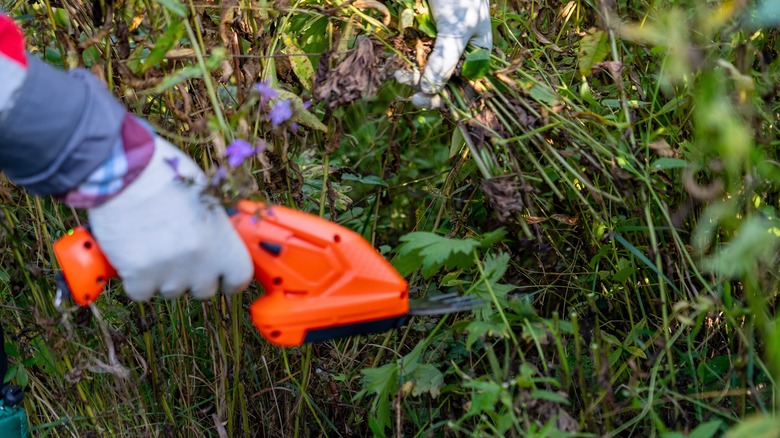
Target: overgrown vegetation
[(607, 180)]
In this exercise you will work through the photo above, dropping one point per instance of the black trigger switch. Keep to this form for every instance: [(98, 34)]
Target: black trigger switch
[(273, 248)]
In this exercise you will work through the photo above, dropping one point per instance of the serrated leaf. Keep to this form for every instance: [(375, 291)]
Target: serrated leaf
[(435, 252), (427, 378), (492, 237), (380, 380), (479, 329), (300, 62), (485, 396), (496, 266), (594, 47), (171, 36), (174, 7), (476, 65), (301, 115)]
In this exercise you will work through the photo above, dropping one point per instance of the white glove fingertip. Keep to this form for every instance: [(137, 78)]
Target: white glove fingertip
[(236, 277), (205, 289), (171, 291), (427, 101), (405, 77), (139, 289)]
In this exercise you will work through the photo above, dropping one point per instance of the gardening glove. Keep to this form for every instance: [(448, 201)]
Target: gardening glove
[(163, 235), (458, 23)]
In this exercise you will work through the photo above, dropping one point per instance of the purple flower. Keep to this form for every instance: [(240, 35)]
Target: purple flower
[(266, 92), (280, 113), (307, 105), (238, 151)]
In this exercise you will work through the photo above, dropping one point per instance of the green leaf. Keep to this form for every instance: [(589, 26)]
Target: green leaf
[(479, 329), (22, 378), (714, 369), (484, 397), (760, 426), (427, 378), (542, 94), (554, 397), (477, 64), (432, 252), (668, 163), (594, 47), (171, 36), (300, 62), (193, 71), (753, 242), (425, 24), (491, 237), (371, 180), (301, 115), (625, 269), (382, 382), (706, 430), (174, 7)]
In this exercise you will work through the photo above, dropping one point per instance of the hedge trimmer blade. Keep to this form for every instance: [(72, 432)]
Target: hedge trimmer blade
[(447, 303)]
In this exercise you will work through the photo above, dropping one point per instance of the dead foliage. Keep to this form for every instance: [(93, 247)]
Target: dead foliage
[(504, 196), (356, 77)]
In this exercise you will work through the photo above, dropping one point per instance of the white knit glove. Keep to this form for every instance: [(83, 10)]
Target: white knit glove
[(458, 23), (161, 235)]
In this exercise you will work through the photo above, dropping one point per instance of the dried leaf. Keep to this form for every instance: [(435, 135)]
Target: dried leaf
[(504, 196), (354, 78), (663, 149)]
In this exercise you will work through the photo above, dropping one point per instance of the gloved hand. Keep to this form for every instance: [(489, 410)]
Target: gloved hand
[(162, 235), (458, 22)]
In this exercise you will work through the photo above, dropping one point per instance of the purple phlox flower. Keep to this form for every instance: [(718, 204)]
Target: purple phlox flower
[(294, 127), (219, 175), (266, 91), (238, 151), (307, 104), (281, 112), (173, 162)]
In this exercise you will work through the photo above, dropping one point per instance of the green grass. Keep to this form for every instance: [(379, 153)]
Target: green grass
[(631, 292)]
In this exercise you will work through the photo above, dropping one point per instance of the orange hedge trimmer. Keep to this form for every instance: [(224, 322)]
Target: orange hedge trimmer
[(322, 281)]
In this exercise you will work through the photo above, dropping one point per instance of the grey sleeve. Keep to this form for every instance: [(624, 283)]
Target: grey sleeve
[(60, 128)]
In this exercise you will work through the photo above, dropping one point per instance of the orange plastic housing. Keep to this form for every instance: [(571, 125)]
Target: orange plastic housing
[(85, 268), (321, 280), (318, 277)]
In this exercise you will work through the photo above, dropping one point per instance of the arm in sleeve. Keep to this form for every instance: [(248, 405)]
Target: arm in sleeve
[(63, 133)]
